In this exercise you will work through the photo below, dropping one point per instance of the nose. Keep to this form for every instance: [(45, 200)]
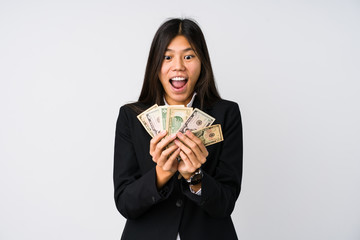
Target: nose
[(178, 64)]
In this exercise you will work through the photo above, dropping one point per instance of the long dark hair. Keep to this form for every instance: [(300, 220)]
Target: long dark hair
[(152, 91)]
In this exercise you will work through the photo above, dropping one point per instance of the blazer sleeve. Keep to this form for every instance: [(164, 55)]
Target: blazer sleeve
[(135, 191), (220, 190)]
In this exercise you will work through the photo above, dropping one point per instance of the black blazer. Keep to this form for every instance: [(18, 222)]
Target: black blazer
[(156, 215)]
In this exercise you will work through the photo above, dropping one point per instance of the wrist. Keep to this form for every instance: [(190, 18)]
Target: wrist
[(187, 176), (162, 176), (195, 178)]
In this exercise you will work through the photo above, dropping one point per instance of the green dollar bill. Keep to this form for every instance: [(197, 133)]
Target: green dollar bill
[(153, 116), (176, 116), (143, 120), (210, 135), (197, 120)]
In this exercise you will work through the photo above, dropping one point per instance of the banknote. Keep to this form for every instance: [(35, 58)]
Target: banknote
[(163, 114), (176, 116), (154, 119), (142, 118), (210, 135), (197, 120)]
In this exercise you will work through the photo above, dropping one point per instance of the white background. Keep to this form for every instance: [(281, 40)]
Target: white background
[(293, 66)]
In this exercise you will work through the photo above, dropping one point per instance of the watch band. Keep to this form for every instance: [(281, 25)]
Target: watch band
[(196, 178)]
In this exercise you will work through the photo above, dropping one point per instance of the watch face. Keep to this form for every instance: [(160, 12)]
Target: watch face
[(196, 179)]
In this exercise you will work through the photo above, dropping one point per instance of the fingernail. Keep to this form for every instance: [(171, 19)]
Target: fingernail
[(163, 131), (176, 142), (173, 136)]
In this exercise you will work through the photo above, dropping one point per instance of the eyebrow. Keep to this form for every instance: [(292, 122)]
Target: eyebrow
[(185, 50)]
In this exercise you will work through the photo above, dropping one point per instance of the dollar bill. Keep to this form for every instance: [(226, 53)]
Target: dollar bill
[(154, 119), (197, 120), (180, 118), (142, 118), (176, 116), (163, 114), (210, 135)]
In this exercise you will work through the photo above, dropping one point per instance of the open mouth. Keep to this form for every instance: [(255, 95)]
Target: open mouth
[(178, 82)]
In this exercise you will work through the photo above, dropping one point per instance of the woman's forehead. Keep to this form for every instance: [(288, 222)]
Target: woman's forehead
[(179, 43)]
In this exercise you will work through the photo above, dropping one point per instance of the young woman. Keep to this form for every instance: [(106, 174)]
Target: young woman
[(152, 189)]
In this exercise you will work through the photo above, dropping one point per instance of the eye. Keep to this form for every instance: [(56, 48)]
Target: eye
[(188, 57), (167, 57)]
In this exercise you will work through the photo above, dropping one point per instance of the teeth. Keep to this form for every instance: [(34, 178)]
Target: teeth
[(178, 79)]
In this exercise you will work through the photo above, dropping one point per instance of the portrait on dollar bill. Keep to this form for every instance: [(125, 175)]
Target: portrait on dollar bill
[(178, 148)]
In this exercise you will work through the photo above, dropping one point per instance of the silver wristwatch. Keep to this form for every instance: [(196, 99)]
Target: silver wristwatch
[(196, 178)]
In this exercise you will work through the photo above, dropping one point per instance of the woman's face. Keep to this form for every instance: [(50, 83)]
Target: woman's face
[(179, 72)]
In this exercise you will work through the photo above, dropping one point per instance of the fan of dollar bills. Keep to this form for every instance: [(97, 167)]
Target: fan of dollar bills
[(177, 118)]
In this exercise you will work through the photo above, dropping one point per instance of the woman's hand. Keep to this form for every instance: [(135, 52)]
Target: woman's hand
[(193, 153), (165, 158)]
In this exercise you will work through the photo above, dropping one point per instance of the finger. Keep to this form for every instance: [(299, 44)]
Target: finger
[(161, 145), (172, 161), (197, 140), (155, 140), (193, 146), (164, 142), (189, 153), (167, 140), (163, 158), (190, 168)]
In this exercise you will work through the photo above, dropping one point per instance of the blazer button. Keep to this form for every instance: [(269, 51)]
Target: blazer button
[(179, 203)]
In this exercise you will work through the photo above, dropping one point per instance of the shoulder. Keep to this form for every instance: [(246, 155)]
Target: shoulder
[(225, 112), (128, 113), (224, 105), (133, 109), (127, 121), (225, 102)]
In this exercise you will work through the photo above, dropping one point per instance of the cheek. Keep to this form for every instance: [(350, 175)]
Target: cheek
[(195, 71), (163, 74)]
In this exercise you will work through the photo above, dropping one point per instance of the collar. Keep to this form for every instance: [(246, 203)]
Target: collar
[(188, 105)]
